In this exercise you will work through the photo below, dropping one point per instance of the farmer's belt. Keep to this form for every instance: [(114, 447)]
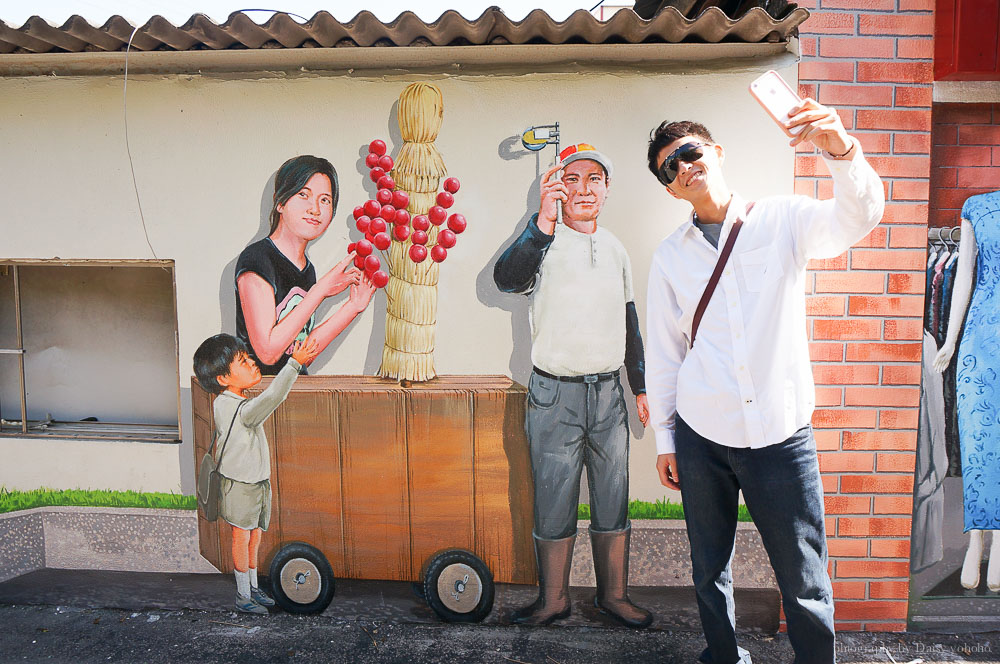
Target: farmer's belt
[(586, 378)]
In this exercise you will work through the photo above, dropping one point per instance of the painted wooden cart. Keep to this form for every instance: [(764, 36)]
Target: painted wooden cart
[(429, 483)]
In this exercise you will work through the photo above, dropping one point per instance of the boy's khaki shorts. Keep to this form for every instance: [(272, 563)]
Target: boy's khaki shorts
[(245, 506)]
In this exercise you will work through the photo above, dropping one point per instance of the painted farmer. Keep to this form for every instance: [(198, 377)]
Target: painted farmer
[(583, 328), (731, 400)]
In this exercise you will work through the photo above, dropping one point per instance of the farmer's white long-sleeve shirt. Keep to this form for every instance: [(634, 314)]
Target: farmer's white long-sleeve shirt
[(747, 381)]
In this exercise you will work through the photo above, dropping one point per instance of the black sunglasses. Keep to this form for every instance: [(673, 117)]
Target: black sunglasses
[(688, 152)]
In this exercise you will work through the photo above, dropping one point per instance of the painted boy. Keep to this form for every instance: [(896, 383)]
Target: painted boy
[(223, 366)]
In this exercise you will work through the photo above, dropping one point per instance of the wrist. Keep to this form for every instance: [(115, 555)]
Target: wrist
[(844, 153)]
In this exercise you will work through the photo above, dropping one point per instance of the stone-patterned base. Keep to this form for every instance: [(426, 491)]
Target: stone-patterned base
[(22, 544), (660, 555), (105, 538)]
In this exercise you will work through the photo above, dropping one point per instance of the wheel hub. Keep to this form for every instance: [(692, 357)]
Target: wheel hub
[(301, 580), (460, 588)]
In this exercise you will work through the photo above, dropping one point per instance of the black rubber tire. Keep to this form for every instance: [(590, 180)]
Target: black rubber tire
[(314, 561), (439, 564)]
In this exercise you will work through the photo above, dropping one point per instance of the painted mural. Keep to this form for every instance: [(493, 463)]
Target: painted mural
[(955, 551)]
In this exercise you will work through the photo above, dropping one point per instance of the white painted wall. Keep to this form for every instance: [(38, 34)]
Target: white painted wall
[(205, 150)]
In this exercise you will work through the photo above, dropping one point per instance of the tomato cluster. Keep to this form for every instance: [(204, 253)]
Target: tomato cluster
[(384, 219)]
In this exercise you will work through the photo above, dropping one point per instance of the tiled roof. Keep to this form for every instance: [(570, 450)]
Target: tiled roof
[(493, 28)]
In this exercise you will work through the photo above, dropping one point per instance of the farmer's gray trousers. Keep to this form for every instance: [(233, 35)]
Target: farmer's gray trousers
[(571, 425)]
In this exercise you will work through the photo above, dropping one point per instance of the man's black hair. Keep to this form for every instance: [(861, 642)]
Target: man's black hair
[(667, 133), (293, 175), (214, 357)]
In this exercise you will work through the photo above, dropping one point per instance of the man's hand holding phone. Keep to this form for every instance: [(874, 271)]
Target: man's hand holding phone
[(801, 119), (821, 126)]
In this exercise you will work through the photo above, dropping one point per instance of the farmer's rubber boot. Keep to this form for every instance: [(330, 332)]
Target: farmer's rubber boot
[(554, 560), (611, 569)]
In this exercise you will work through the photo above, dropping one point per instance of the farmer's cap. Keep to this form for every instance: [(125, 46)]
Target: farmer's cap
[(585, 151)]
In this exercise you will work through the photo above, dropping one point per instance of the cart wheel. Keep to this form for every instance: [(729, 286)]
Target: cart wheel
[(301, 579), (459, 586)]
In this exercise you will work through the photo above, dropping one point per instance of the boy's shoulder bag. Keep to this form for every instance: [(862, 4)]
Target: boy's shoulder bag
[(209, 478)]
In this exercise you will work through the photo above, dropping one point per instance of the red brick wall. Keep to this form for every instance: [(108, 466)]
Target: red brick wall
[(871, 59), (966, 157)]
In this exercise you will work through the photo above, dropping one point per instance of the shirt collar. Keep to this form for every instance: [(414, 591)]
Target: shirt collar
[(737, 210)]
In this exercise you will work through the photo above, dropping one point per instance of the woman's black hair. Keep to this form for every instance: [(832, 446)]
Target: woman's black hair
[(293, 175), (214, 357)]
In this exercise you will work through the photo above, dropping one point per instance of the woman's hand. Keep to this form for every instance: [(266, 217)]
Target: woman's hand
[(340, 277), (821, 126), (361, 294), (943, 358)]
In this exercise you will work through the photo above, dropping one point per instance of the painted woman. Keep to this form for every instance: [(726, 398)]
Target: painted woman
[(277, 292)]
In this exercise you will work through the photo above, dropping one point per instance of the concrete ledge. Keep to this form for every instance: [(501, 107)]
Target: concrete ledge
[(104, 538), (660, 555), (160, 540)]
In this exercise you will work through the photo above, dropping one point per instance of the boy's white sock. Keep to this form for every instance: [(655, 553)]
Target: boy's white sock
[(253, 577), (242, 583)]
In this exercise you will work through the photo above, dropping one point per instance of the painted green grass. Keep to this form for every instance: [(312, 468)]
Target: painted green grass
[(11, 501), (661, 509)]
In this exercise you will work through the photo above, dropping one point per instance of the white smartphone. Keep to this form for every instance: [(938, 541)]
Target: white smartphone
[(777, 97)]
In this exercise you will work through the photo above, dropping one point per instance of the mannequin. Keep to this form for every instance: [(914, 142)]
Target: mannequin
[(978, 367)]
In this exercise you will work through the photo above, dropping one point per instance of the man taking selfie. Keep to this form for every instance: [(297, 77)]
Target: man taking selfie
[(729, 382)]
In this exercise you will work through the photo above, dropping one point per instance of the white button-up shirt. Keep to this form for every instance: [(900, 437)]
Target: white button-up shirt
[(747, 381)]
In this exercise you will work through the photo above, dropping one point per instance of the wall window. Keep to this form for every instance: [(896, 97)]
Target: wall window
[(97, 346)]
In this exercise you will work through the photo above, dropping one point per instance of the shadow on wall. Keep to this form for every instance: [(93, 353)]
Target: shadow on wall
[(516, 304)]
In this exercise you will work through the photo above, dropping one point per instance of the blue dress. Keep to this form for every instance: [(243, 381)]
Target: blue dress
[(978, 391)]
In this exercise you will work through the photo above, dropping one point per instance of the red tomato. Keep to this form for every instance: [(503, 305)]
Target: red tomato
[(377, 226), (418, 253), (456, 222), (452, 185), (437, 215), (438, 253), (384, 196), (400, 199), (377, 146), (358, 211), (419, 237), (371, 161), (376, 174), (401, 232), (359, 262), (351, 246), (380, 278), (385, 163), (446, 238), (421, 222), (382, 241), (386, 182), (372, 208), (402, 217), (363, 223), (445, 200), (372, 263), (364, 248)]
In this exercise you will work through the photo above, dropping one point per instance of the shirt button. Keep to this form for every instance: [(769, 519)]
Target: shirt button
[(749, 400)]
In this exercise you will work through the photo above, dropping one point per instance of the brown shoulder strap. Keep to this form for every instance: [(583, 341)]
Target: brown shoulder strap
[(716, 275)]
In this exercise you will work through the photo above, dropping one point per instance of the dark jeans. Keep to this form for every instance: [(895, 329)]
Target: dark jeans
[(783, 492)]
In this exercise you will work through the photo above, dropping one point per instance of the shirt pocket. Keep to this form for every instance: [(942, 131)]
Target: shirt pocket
[(759, 267), (542, 392)]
